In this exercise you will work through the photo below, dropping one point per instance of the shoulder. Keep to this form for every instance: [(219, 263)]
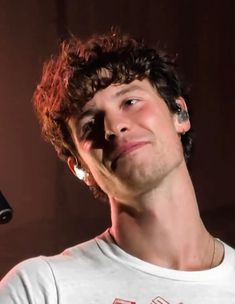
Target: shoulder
[(42, 267), (77, 261), (229, 253), (44, 277), (27, 280), (34, 267), (226, 269)]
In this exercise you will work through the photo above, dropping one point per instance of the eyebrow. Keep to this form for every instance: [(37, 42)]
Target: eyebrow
[(88, 112), (126, 90)]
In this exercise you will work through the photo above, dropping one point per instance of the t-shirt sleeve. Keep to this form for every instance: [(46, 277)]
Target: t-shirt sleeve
[(30, 282)]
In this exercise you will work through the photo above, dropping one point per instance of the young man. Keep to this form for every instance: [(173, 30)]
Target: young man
[(115, 111)]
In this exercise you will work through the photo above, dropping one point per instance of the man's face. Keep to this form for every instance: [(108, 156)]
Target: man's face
[(128, 139)]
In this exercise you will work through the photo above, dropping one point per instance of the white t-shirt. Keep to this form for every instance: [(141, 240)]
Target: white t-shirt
[(98, 271)]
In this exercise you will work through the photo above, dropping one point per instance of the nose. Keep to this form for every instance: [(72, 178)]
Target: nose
[(115, 125)]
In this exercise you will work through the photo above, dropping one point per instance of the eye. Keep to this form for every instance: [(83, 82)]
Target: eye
[(88, 127), (131, 102)]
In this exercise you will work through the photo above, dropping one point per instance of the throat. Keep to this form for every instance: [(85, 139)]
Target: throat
[(189, 248)]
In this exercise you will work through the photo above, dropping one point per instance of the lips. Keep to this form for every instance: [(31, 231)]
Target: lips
[(127, 148)]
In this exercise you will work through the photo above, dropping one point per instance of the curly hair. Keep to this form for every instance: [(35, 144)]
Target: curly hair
[(74, 76)]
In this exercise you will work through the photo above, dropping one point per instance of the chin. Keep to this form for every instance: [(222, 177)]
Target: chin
[(144, 176), (140, 178)]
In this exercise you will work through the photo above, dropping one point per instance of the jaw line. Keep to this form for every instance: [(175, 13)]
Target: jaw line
[(114, 164)]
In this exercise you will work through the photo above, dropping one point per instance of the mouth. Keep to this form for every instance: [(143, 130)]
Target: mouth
[(125, 150)]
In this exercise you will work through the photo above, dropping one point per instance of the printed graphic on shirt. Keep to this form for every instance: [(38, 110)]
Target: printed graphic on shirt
[(157, 300), (120, 301), (160, 300)]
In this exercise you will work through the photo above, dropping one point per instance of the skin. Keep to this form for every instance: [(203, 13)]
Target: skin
[(130, 144)]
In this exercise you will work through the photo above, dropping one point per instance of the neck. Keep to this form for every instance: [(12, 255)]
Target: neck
[(163, 226)]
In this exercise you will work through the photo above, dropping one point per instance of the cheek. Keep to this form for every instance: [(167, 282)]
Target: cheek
[(159, 122), (92, 158), (84, 146), (153, 119), (83, 151)]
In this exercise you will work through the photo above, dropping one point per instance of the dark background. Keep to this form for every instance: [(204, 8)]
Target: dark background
[(52, 209)]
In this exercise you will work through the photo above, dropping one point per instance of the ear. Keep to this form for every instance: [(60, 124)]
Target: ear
[(88, 178), (71, 162), (181, 126)]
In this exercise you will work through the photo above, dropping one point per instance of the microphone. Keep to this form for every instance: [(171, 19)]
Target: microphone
[(6, 211)]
